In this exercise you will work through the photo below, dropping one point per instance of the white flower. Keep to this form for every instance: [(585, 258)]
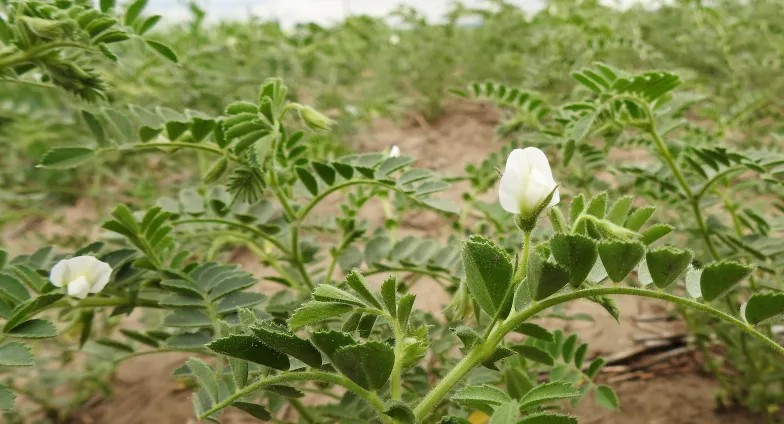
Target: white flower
[(526, 183), (81, 275), (394, 152), (351, 109), (394, 39)]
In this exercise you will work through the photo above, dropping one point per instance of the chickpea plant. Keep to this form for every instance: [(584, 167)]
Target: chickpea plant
[(690, 172), (329, 329), (343, 332)]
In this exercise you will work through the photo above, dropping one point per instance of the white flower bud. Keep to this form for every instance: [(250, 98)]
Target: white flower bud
[(527, 183), (394, 152), (81, 275)]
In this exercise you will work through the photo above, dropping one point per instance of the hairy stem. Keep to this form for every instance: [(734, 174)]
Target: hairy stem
[(397, 367)]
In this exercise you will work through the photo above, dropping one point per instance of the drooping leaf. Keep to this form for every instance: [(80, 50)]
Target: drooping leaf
[(719, 278), (666, 264), (620, 257), (606, 397), (763, 307), (576, 253), (253, 409), (400, 412), (545, 278)]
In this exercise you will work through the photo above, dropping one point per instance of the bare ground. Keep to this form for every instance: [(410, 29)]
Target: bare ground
[(145, 393)]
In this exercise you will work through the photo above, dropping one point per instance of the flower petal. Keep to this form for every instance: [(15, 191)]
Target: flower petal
[(79, 287), (80, 265), (536, 159), (59, 273), (100, 274), (394, 152), (511, 191), (518, 162), (537, 190)]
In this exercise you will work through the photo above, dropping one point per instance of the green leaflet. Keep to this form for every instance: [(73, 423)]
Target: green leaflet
[(330, 341), (666, 264), (484, 398), (547, 418), (545, 278), (763, 307), (533, 353), (488, 274), (620, 257), (15, 355), (576, 253), (547, 393), (315, 311), (249, 348), (368, 364), (66, 157), (719, 278), (505, 414), (357, 283), (606, 397), (283, 341), (254, 409)]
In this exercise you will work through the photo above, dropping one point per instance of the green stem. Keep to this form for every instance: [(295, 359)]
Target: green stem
[(100, 302), (255, 231), (397, 367), (298, 262), (313, 202), (368, 396), (206, 147), (522, 269), (481, 352)]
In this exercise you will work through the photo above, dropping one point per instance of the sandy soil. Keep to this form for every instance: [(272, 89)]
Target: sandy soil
[(144, 392)]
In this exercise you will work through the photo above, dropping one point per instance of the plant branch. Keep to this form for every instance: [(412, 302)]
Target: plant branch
[(256, 232), (368, 396), (481, 352)]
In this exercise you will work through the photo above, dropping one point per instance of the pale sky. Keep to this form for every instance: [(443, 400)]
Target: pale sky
[(320, 11)]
